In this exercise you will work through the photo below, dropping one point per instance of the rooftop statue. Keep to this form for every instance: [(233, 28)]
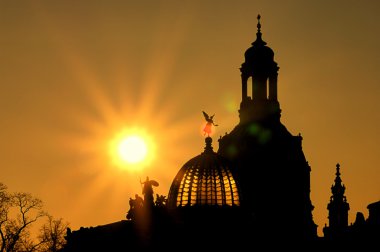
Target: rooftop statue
[(210, 122)]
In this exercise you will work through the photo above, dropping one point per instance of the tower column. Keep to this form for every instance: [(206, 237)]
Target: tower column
[(259, 89), (273, 87), (244, 80)]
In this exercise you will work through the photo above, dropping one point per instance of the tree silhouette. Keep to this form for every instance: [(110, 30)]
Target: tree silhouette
[(18, 212), (52, 234)]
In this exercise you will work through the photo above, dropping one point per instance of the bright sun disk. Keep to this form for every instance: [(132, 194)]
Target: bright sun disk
[(132, 149)]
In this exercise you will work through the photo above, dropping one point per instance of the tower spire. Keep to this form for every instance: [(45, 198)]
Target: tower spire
[(259, 41), (338, 180), (258, 24), (338, 189)]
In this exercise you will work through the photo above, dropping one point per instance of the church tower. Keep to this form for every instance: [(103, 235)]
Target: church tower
[(268, 160), (338, 209), (259, 72)]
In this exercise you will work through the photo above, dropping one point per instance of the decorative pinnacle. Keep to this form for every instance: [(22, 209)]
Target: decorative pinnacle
[(338, 180), (337, 170), (208, 147), (259, 41), (258, 23)]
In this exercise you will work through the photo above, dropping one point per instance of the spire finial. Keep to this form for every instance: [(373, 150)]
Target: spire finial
[(338, 180), (259, 41), (337, 170), (258, 23)]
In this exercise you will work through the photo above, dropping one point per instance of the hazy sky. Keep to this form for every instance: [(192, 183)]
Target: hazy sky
[(74, 74)]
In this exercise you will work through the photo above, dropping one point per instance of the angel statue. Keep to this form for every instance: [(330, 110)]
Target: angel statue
[(148, 191), (209, 124)]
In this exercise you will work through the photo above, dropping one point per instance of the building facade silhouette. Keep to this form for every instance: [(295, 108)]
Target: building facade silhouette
[(253, 191)]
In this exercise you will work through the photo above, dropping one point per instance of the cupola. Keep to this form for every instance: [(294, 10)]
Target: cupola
[(205, 180)]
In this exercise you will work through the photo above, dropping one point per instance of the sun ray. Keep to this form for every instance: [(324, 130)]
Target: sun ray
[(109, 107)]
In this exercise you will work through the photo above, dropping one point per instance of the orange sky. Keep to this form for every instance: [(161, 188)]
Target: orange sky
[(74, 74)]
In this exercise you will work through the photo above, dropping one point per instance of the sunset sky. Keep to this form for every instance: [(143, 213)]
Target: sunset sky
[(75, 75)]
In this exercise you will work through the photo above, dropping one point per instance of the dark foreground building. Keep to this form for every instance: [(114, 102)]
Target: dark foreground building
[(254, 192)]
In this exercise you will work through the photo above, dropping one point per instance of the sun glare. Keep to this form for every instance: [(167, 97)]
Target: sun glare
[(132, 149)]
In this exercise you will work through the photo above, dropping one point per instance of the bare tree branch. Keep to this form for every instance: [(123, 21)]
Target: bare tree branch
[(52, 234), (18, 212)]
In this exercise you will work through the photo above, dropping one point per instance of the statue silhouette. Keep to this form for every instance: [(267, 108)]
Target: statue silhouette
[(134, 206), (210, 121), (147, 191)]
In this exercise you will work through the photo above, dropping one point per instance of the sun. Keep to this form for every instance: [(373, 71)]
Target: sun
[(132, 149)]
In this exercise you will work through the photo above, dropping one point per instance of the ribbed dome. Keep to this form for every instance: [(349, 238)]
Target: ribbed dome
[(204, 180)]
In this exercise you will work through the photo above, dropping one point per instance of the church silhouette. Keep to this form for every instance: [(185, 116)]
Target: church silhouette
[(253, 192)]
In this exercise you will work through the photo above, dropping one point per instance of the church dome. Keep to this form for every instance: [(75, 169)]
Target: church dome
[(259, 53), (206, 179)]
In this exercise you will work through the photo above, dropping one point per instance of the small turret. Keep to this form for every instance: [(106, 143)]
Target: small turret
[(338, 208)]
